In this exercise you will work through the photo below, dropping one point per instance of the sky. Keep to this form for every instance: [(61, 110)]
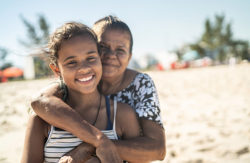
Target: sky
[(158, 26)]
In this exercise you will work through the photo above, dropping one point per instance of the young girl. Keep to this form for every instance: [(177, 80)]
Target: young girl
[(75, 59)]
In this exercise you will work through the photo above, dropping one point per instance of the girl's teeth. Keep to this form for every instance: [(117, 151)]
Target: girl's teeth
[(85, 79)]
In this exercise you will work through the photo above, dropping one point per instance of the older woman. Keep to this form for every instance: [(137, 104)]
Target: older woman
[(128, 86)]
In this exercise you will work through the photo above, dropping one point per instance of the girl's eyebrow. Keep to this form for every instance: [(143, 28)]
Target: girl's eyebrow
[(70, 57)]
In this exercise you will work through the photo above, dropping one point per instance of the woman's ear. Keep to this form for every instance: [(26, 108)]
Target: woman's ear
[(55, 69), (130, 56)]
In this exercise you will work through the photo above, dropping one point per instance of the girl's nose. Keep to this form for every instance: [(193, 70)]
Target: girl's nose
[(84, 67)]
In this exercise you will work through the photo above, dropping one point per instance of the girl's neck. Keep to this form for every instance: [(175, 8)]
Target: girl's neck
[(83, 101)]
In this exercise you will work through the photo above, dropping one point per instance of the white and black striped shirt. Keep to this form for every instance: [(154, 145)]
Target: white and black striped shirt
[(61, 142)]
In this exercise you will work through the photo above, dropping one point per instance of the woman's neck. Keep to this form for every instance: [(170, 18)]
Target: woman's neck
[(112, 85), (116, 84)]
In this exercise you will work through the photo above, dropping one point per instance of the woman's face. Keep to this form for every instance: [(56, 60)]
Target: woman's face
[(115, 55), (79, 64)]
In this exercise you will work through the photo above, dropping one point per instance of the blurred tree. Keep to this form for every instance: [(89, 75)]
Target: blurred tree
[(37, 38), (151, 61), (217, 42), (3, 63), (241, 49), (3, 53)]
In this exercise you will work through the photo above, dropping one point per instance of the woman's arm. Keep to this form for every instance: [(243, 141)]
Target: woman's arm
[(81, 153), (150, 146), (56, 112), (127, 124), (146, 148), (34, 140)]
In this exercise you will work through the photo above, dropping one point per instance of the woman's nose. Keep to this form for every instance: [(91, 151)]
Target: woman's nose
[(110, 53)]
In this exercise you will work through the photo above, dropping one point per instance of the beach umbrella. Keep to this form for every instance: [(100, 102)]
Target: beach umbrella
[(12, 72)]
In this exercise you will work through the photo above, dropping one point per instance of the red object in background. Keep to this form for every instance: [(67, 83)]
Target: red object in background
[(173, 65), (12, 72), (179, 65), (2, 78), (160, 67)]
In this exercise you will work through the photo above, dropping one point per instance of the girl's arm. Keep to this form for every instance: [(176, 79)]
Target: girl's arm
[(34, 140)]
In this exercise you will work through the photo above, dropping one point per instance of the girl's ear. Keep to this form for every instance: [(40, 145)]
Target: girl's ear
[(55, 69)]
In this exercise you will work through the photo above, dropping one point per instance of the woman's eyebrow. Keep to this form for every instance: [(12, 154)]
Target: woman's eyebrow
[(121, 46)]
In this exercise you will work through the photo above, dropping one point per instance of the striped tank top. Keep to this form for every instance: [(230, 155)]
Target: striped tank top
[(60, 142)]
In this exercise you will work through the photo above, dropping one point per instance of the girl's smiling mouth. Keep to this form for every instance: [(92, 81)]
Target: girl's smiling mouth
[(86, 79)]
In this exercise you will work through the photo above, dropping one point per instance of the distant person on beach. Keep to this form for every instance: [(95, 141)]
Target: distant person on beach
[(75, 59), (127, 86)]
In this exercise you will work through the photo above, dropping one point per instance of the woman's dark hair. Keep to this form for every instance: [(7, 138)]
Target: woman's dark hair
[(66, 32), (112, 22)]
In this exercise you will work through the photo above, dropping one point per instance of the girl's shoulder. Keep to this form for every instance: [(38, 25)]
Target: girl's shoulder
[(124, 110), (39, 124), (120, 109), (125, 117)]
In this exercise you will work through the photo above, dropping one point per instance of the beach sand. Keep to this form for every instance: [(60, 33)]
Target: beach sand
[(205, 111)]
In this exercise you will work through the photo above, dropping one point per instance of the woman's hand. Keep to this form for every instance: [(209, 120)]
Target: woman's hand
[(93, 160), (69, 159), (107, 152), (66, 159), (80, 154)]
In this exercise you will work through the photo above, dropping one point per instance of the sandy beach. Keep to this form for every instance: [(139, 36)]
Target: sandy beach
[(205, 111)]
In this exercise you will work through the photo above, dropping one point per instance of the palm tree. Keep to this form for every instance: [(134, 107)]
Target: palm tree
[(37, 38), (218, 43), (3, 54)]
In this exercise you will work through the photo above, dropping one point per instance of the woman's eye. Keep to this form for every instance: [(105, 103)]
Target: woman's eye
[(104, 49), (120, 51), (91, 59)]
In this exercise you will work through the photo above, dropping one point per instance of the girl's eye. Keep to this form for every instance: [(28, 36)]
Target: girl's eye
[(71, 63)]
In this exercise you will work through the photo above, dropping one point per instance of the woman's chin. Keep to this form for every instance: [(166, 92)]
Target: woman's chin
[(108, 74)]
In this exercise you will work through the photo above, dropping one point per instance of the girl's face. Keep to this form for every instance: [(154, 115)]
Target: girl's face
[(115, 53), (79, 64)]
